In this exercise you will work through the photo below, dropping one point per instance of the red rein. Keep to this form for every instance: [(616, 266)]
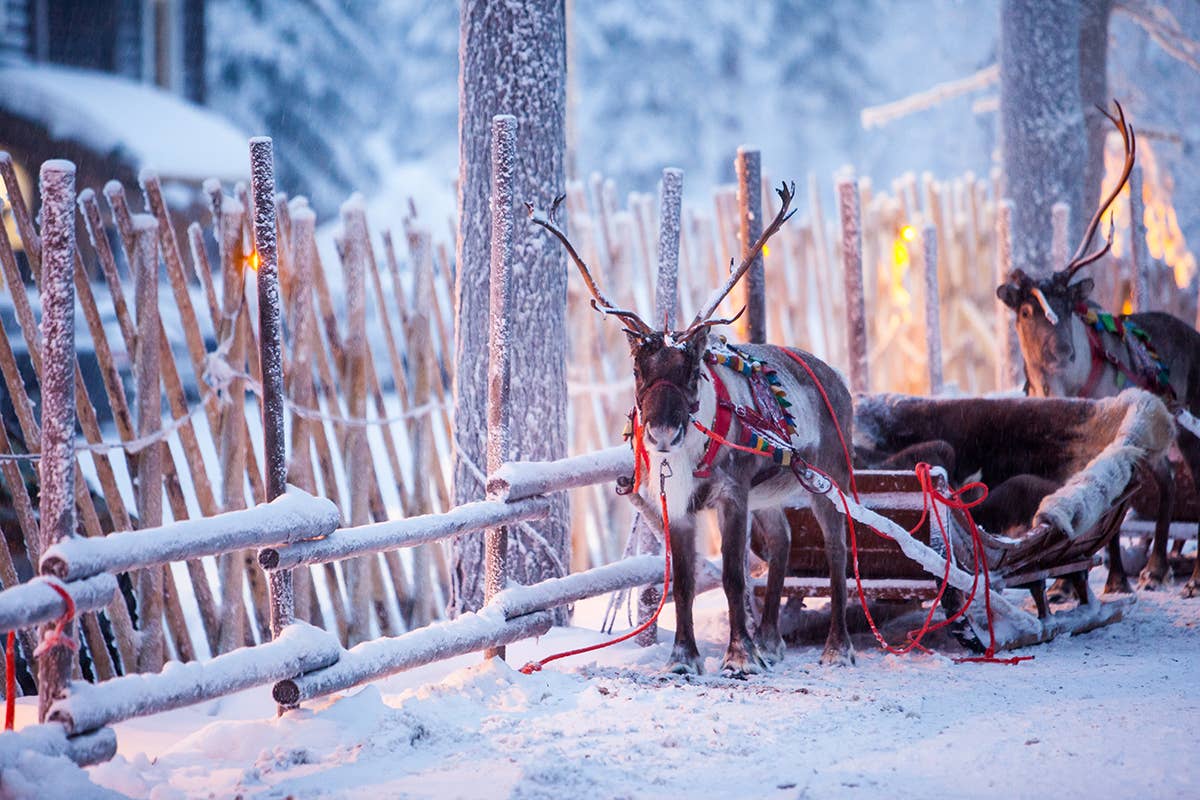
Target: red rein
[(51, 639)]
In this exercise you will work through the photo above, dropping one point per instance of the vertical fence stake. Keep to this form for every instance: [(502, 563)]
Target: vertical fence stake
[(749, 194), (1139, 254), (856, 314), (1008, 361), (262, 186), (56, 470), (504, 154), (666, 305), (148, 462), (933, 320)]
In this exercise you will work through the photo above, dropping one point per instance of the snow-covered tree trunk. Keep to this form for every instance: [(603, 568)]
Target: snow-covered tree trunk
[(512, 59), (1044, 145), (1093, 91), (56, 470)]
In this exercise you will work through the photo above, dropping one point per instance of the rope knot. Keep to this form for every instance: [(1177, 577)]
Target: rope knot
[(57, 636)]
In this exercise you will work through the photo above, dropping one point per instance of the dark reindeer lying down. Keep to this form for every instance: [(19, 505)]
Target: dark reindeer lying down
[(1023, 449)]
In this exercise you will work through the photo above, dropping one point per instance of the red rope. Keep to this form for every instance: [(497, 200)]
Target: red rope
[(10, 681), (536, 666), (837, 426), (59, 636)]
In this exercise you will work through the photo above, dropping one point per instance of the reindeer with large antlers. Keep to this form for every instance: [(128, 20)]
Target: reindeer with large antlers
[(1072, 348), (708, 411)]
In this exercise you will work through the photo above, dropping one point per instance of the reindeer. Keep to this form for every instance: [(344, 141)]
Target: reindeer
[(1071, 349), (681, 397)]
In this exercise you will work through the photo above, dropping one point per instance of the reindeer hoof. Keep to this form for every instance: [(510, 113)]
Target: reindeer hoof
[(838, 656), (743, 666), (1150, 581), (684, 663), (771, 647), (1191, 588), (1117, 585)]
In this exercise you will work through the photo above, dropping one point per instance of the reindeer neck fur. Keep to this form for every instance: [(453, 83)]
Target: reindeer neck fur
[(734, 470)]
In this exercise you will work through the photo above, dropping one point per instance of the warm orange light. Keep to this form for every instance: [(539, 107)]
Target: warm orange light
[(900, 254), (252, 260), (766, 251), (908, 233)]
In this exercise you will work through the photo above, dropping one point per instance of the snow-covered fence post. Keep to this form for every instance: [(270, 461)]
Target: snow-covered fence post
[(856, 313), (1008, 356), (666, 305), (148, 461), (56, 470), (1139, 255), (357, 454), (933, 320), (748, 165), (270, 345), (504, 154), (533, 88)]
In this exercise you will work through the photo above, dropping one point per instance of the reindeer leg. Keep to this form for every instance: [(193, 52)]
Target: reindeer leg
[(838, 649), (685, 658), (771, 538), (742, 657), (1155, 573), (1189, 445), (1118, 580)]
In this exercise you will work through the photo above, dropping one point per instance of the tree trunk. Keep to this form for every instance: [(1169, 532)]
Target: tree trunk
[(1044, 143), (1093, 90), (493, 80)]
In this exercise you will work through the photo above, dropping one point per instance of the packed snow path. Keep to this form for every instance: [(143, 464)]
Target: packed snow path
[(1108, 714)]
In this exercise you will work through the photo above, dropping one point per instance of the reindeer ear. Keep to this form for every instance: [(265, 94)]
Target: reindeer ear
[(1081, 290), (1009, 294), (698, 342)]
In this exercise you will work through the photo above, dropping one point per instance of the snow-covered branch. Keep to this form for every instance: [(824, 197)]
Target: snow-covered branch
[(1163, 28), (878, 116)]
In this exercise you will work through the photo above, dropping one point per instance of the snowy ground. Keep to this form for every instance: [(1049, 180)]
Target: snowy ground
[(1107, 714)]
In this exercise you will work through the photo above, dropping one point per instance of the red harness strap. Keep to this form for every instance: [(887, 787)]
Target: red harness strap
[(721, 423), (1100, 359)]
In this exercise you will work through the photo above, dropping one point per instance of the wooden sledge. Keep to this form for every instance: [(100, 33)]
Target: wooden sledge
[(1092, 449)]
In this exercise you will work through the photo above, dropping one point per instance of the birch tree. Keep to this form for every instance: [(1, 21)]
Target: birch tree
[(512, 60)]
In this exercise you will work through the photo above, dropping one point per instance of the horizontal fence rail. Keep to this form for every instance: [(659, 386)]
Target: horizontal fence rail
[(37, 602), (51, 739), (290, 517), (346, 543)]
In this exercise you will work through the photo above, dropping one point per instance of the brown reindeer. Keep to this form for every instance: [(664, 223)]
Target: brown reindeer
[(1072, 349), (680, 382)]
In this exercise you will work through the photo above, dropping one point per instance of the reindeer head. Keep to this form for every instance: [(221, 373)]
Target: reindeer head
[(1044, 306), (667, 365)]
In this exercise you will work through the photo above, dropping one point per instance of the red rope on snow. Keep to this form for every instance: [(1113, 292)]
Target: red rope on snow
[(536, 666)]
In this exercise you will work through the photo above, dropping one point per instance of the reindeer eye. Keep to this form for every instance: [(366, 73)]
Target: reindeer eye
[(1026, 312)]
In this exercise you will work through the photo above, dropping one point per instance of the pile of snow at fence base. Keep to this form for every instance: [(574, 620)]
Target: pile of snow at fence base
[(1109, 714)]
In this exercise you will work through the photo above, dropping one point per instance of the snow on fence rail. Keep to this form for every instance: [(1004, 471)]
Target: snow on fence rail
[(37, 602), (288, 518)]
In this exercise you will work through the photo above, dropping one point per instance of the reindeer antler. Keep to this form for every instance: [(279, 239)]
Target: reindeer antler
[(599, 302), (786, 192), (1079, 260)]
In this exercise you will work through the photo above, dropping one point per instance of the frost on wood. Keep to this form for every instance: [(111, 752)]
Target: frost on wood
[(1044, 143), (1139, 255), (533, 88), (504, 156), (933, 322), (856, 315), (56, 470), (409, 532), (299, 648), (517, 480), (35, 602), (636, 571), (468, 633), (291, 517), (666, 290)]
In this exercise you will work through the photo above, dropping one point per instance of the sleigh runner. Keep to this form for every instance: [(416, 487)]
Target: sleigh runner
[(1097, 459)]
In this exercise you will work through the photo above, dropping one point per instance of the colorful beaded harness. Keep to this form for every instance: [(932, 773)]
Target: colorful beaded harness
[(1147, 371)]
